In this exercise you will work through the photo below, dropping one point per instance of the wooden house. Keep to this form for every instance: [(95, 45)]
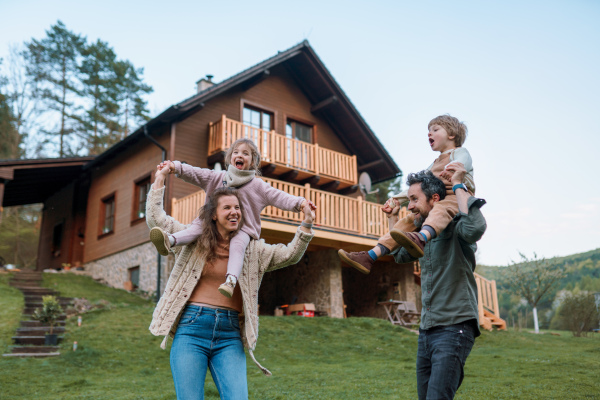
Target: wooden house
[(313, 142)]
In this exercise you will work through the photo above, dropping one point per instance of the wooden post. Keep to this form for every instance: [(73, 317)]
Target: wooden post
[(495, 300), (223, 132), (360, 215), (317, 161), (354, 178)]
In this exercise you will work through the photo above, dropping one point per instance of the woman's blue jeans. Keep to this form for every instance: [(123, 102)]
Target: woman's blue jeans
[(208, 338), (441, 357)]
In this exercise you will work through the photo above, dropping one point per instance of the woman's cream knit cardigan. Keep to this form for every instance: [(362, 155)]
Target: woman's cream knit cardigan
[(260, 258)]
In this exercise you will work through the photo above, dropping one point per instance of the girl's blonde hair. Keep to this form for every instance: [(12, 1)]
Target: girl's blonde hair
[(255, 163)]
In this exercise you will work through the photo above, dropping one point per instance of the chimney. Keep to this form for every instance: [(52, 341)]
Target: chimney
[(205, 83)]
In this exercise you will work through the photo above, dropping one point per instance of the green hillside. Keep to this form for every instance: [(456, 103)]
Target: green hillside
[(582, 274), (311, 358)]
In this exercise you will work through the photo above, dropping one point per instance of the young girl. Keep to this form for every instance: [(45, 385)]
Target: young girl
[(243, 165)]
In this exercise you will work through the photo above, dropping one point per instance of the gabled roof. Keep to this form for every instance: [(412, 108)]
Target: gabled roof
[(327, 97)]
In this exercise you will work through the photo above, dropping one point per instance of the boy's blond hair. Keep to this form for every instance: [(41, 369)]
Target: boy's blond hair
[(255, 165), (453, 126)]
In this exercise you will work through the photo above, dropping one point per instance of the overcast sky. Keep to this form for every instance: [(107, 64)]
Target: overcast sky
[(523, 76)]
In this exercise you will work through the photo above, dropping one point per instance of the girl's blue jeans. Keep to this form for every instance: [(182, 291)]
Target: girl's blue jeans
[(208, 338)]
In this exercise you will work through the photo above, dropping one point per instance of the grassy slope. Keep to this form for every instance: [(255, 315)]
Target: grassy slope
[(320, 358)]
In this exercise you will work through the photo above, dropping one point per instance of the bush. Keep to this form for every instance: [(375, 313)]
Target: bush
[(579, 314)]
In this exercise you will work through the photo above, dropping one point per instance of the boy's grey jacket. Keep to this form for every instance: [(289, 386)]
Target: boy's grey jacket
[(448, 287), (260, 257)]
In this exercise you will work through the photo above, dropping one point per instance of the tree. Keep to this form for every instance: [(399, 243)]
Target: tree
[(100, 86), (53, 64), (9, 135), (19, 232), (579, 313), (131, 88), (532, 279), (384, 189)]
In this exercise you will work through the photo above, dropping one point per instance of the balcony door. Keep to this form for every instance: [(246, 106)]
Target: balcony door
[(255, 122), (297, 152)]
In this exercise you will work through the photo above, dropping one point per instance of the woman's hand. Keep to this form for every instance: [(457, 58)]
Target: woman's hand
[(162, 171), (166, 165), (309, 215), (308, 203)]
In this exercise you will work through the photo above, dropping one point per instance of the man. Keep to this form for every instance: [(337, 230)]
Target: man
[(449, 315)]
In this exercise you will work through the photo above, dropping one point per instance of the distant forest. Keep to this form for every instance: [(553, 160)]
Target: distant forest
[(582, 275)]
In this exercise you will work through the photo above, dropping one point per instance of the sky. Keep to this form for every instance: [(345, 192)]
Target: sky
[(522, 75)]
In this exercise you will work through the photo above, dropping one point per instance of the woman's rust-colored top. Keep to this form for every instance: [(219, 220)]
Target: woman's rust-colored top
[(213, 275)]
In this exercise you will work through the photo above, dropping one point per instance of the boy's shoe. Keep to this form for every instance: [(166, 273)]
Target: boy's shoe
[(412, 241), (227, 288), (160, 240), (360, 260)]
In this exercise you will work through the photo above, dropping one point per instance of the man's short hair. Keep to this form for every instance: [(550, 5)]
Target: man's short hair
[(453, 126), (430, 184)]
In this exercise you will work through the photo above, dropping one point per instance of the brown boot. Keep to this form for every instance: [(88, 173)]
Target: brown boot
[(411, 241), (160, 240), (361, 260)]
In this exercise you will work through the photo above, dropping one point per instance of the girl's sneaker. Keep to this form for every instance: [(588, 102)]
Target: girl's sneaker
[(160, 240), (227, 288)]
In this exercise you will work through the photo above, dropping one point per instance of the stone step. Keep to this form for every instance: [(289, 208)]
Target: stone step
[(38, 304), (29, 324), (38, 355), (39, 330), (38, 298), (24, 279), (29, 291), (61, 317), (25, 274), (34, 349), (37, 340)]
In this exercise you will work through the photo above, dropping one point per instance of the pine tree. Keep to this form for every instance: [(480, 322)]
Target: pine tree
[(54, 64), (9, 135), (133, 108), (100, 84)]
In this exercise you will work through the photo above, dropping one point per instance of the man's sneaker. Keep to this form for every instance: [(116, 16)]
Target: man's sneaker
[(412, 241), (227, 288), (160, 240), (360, 260)]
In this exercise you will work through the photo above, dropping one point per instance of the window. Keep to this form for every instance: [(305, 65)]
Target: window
[(258, 118), (299, 131), (134, 276), (107, 215), (140, 195)]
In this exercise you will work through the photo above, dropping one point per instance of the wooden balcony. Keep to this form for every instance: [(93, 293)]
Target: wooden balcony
[(336, 213), (286, 154)]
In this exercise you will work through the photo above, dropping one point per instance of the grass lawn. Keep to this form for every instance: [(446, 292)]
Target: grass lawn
[(311, 358)]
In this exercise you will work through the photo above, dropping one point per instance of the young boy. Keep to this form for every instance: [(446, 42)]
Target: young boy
[(446, 135)]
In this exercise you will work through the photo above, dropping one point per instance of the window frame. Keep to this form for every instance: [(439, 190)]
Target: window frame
[(311, 124), (102, 216), (145, 180), (258, 107)]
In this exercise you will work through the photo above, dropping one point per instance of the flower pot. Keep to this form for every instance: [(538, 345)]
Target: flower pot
[(51, 340)]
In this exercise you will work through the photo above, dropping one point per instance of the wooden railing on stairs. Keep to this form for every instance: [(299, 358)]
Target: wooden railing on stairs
[(281, 150), (335, 212)]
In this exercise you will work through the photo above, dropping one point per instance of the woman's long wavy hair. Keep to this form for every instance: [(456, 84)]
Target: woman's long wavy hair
[(209, 238)]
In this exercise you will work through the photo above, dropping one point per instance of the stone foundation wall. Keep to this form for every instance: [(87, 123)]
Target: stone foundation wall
[(316, 279), (362, 292), (114, 269)]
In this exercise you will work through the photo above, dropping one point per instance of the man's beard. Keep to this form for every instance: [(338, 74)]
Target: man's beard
[(418, 221)]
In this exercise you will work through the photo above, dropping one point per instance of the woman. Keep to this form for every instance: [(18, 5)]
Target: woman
[(206, 329)]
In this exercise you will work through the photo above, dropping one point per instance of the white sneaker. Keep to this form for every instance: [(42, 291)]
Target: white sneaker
[(227, 288), (160, 240)]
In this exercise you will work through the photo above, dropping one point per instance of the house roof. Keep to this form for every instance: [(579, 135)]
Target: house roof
[(33, 181), (318, 85)]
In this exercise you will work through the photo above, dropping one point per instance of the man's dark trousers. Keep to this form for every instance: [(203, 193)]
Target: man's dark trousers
[(441, 357)]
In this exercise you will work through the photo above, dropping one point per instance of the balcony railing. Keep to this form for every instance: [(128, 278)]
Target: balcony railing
[(283, 151), (335, 212)]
